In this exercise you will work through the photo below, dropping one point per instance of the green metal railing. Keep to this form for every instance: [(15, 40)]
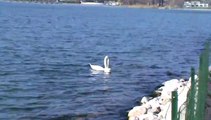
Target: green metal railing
[(196, 98), (197, 95)]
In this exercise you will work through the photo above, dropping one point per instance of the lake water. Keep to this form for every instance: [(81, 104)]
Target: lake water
[(45, 51)]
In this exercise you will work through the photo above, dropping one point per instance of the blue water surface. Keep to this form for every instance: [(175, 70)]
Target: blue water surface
[(45, 50)]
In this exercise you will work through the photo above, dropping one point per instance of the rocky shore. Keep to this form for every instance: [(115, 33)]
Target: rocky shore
[(159, 107)]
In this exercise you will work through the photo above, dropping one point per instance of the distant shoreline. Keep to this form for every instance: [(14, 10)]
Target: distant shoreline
[(128, 6), (166, 7)]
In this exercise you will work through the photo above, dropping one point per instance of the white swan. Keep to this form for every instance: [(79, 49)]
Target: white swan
[(106, 68)]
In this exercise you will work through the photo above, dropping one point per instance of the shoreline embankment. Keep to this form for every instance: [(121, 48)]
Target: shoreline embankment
[(159, 107)]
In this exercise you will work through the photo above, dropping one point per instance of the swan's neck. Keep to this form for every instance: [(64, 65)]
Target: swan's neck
[(106, 62)]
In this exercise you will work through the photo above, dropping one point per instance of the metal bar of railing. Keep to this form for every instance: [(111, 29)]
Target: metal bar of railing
[(190, 114), (192, 95), (174, 105)]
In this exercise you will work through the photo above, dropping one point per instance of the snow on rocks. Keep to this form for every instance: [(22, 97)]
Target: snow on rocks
[(159, 108)]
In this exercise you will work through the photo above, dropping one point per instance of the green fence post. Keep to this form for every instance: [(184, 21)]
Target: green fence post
[(192, 96), (202, 84), (200, 90), (206, 69), (174, 105)]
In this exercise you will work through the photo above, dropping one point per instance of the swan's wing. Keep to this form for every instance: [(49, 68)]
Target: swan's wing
[(96, 67)]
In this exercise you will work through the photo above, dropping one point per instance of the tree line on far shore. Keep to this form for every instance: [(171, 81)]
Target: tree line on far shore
[(155, 3)]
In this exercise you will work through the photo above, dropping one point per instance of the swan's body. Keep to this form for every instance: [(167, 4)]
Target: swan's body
[(99, 68), (96, 67)]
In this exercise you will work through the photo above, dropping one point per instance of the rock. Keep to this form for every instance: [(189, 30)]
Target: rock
[(181, 80), (150, 116), (182, 95), (182, 111), (166, 111), (156, 110), (147, 106), (144, 100), (154, 103), (164, 100), (133, 118), (170, 86), (137, 111), (156, 93), (171, 82)]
